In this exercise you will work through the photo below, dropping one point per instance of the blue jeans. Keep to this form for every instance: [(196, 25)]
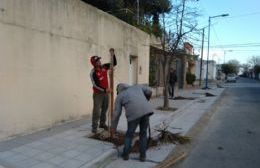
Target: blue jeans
[(143, 123)]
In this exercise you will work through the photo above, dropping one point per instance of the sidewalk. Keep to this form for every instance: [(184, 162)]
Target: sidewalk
[(67, 146)]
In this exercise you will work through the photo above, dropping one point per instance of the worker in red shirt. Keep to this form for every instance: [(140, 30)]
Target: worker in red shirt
[(101, 90)]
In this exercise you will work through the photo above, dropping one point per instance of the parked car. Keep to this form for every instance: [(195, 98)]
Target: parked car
[(231, 78)]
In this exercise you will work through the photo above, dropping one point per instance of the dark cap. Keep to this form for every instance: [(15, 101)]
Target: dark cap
[(94, 59)]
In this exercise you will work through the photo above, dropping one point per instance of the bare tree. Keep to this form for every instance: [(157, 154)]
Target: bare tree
[(245, 67), (182, 22), (254, 60)]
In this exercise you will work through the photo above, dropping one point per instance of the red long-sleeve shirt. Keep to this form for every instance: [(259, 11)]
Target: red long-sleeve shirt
[(99, 77)]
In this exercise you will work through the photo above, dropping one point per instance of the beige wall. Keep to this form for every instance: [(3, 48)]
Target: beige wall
[(44, 69)]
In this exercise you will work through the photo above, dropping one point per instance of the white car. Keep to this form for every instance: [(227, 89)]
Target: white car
[(231, 78)]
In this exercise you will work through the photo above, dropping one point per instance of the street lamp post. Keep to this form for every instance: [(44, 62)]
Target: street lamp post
[(201, 59), (207, 70)]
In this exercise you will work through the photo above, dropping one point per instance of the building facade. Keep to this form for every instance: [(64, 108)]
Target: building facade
[(44, 69), (212, 70)]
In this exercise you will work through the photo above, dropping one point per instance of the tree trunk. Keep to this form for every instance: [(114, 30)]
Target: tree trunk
[(165, 71), (165, 83)]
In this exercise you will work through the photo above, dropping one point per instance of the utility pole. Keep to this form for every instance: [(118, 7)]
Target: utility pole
[(138, 13), (201, 59)]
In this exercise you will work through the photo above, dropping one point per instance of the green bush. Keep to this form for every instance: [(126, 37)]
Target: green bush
[(190, 78)]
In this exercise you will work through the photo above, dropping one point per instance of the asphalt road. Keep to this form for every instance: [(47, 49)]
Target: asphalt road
[(231, 139)]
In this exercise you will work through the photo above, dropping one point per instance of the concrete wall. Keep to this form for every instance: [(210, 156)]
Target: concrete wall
[(203, 71), (212, 70), (44, 69)]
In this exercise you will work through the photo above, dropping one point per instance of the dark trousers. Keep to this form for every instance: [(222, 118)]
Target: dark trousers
[(100, 106), (143, 123), (171, 89)]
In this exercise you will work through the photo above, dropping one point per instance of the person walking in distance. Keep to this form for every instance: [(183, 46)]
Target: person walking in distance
[(101, 90), (137, 111), (172, 81)]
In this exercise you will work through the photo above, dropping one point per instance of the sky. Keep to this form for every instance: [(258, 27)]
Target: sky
[(237, 35)]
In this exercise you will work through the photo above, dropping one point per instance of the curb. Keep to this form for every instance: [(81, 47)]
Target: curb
[(209, 108), (168, 119), (178, 112), (175, 151)]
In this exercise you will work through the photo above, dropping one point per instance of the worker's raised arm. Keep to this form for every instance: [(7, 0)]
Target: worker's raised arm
[(112, 53)]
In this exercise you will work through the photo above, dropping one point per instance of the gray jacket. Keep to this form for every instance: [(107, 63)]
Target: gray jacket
[(134, 101)]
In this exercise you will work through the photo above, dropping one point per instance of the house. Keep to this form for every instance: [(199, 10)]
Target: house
[(183, 62), (190, 61)]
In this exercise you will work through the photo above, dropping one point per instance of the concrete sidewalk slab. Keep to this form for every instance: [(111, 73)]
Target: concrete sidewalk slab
[(68, 146), (184, 118)]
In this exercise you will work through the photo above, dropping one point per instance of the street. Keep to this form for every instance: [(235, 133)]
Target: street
[(231, 139)]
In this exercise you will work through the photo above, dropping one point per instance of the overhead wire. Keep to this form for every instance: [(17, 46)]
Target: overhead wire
[(196, 40), (244, 15)]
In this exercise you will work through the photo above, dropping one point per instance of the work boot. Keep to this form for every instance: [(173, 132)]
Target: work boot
[(94, 130), (142, 158), (104, 126), (125, 157)]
